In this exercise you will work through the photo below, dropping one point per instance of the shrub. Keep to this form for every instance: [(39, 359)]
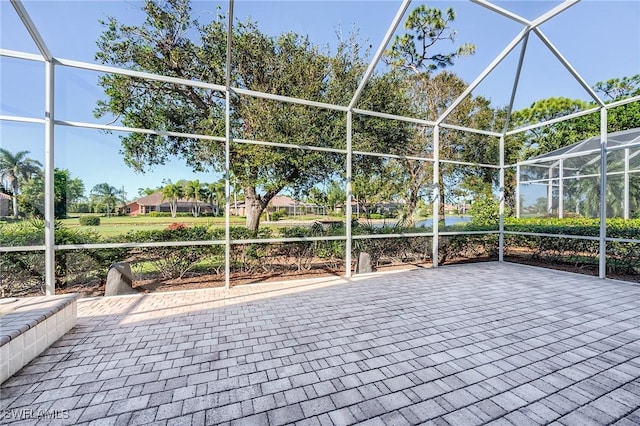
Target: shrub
[(89, 220), (278, 214), (173, 261), (23, 272), (485, 211), (622, 257)]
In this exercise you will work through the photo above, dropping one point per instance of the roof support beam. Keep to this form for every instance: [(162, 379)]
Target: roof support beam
[(569, 67), (554, 120), (532, 26), (32, 29), (483, 75), (501, 11), (376, 58), (514, 90)]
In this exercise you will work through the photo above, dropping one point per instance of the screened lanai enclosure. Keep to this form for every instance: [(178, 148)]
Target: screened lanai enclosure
[(427, 137), (569, 178)]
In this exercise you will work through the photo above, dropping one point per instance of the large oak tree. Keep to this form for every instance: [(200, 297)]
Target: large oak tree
[(171, 42)]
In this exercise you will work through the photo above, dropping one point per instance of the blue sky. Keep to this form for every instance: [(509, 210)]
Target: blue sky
[(600, 38)]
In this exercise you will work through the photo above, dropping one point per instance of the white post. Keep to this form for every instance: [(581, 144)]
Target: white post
[(436, 194), (227, 192), (349, 209), (602, 273), (550, 192), (227, 154), (626, 184), (561, 190), (502, 196), (49, 192), (518, 191)]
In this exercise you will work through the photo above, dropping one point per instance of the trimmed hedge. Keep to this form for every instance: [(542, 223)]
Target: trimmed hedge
[(23, 271), (89, 220), (622, 258)]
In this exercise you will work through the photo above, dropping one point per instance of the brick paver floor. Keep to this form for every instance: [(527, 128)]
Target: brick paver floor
[(463, 345)]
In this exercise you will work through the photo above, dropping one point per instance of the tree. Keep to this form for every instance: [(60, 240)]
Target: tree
[(545, 139), (336, 194), (16, 167), (107, 195), (426, 27), (172, 192), (67, 190), (430, 94), (215, 195), (619, 88), (143, 192), (171, 42), (194, 191), (430, 97), (549, 138)]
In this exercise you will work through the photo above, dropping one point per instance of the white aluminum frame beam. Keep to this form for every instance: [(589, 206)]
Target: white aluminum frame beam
[(531, 26), (501, 11), (569, 67), (32, 29), (21, 55), (602, 269), (376, 58), (516, 81), (625, 202), (227, 152)]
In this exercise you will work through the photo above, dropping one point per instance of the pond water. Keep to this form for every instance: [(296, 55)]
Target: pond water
[(426, 223)]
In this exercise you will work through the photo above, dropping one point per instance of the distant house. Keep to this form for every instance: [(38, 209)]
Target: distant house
[(5, 200), (388, 208), (238, 208), (293, 207), (155, 203)]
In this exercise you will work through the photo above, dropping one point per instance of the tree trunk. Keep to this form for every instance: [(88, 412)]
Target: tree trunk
[(412, 204), (14, 189), (255, 205)]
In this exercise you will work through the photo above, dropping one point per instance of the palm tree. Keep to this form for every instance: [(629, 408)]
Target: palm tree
[(586, 193), (215, 191), (172, 192), (193, 190), (14, 167), (107, 195)]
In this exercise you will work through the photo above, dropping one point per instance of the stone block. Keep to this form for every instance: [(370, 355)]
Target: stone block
[(119, 280)]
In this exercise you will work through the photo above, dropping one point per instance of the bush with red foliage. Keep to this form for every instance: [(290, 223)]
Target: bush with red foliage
[(176, 226)]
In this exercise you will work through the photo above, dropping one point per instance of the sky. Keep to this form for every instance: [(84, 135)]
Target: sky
[(601, 39)]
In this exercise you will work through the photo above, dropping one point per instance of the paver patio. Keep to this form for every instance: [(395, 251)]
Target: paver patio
[(461, 345)]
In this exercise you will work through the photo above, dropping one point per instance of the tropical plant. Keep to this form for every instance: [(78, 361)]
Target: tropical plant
[(16, 167), (107, 196), (194, 191), (172, 192), (67, 190), (215, 195)]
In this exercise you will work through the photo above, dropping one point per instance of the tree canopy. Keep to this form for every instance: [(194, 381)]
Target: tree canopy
[(549, 138), (14, 168), (171, 42), (67, 190)]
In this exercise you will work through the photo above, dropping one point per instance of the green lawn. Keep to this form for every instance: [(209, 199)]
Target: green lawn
[(116, 225)]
